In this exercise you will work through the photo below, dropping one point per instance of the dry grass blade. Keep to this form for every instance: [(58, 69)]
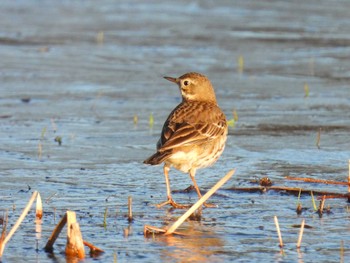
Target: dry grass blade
[(199, 203), (19, 220)]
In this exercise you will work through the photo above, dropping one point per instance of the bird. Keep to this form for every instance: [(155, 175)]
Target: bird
[(194, 134)]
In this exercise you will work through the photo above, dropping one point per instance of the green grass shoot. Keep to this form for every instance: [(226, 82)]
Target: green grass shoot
[(235, 115), (298, 202), (43, 132), (136, 119), (151, 120), (306, 90), (313, 201), (231, 123), (240, 64)]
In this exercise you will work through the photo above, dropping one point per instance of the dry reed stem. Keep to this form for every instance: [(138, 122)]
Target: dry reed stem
[(75, 245), (39, 207), (199, 203), (278, 232), (130, 219), (301, 233), (19, 221), (311, 180), (55, 233)]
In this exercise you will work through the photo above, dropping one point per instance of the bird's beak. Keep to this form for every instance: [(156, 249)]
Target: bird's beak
[(175, 80)]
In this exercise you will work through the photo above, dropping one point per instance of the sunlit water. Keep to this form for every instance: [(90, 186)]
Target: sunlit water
[(88, 68)]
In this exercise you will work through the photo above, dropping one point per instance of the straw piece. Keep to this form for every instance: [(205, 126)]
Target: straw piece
[(20, 219), (278, 232), (199, 203), (301, 233), (75, 245)]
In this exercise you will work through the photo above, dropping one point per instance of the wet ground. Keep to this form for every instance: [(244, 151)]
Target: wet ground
[(82, 70)]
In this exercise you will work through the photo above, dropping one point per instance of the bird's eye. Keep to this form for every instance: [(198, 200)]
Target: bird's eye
[(186, 82)]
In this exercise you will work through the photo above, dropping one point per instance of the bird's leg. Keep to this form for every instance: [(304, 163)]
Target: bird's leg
[(170, 200), (192, 175)]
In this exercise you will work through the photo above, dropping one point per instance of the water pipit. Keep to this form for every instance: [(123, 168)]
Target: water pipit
[(194, 134)]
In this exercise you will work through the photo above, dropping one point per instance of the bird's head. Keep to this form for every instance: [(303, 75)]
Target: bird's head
[(194, 87)]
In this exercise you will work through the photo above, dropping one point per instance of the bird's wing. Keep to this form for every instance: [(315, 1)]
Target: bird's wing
[(184, 134)]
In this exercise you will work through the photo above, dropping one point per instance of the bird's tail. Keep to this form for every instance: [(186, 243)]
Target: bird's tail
[(157, 158)]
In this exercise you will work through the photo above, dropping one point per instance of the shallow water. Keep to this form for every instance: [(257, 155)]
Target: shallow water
[(61, 76)]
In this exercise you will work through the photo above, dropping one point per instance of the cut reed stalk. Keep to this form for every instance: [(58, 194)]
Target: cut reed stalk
[(75, 245), (278, 232), (39, 207)]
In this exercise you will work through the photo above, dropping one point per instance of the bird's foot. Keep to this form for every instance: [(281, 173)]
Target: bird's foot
[(171, 202)]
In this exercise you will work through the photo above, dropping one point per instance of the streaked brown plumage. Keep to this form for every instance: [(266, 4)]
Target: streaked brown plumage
[(194, 134)]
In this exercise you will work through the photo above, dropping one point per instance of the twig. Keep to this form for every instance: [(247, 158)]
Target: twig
[(312, 180), (293, 190), (301, 233), (278, 232), (199, 202)]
